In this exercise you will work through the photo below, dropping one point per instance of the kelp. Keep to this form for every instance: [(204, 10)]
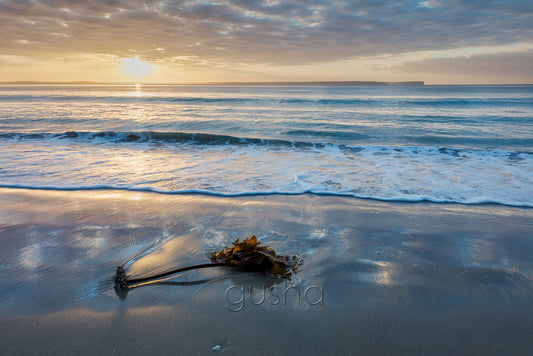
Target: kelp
[(247, 255)]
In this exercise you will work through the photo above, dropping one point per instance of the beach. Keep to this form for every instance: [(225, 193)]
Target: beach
[(378, 277)]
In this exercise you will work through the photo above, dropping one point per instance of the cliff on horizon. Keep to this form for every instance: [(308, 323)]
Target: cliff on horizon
[(228, 83)]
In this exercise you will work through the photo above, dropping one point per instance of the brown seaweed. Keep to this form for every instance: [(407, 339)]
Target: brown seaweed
[(248, 255)]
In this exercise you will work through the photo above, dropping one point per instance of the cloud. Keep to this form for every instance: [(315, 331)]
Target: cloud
[(253, 32), (504, 67)]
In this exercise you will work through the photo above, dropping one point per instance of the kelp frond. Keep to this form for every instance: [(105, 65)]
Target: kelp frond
[(249, 255)]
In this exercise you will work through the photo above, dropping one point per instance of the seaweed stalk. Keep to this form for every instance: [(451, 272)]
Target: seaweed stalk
[(122, 281)]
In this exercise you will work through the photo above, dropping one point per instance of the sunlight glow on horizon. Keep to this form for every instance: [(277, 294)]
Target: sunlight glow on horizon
[(137, 68)]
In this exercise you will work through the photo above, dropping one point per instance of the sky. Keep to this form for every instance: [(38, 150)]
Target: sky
[(436, 41)]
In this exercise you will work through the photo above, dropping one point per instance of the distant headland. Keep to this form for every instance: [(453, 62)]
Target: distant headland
[(320, 83), (347, 83)]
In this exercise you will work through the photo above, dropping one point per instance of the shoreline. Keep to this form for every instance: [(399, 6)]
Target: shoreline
[(378, 277), (103, 188)]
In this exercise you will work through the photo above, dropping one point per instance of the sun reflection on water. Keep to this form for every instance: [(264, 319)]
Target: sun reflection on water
[(138, 90)]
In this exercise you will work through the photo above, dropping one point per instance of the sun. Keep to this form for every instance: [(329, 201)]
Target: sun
[(136, 68)]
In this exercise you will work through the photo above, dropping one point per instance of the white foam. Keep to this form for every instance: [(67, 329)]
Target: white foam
[(375, 172)]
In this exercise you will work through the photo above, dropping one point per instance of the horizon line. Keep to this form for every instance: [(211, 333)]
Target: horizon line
[(314, 82)]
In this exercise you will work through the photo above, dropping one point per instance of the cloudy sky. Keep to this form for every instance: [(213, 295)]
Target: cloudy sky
[(438, 41)]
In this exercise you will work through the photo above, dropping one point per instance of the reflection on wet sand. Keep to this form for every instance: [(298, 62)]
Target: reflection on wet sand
[(416, 275)]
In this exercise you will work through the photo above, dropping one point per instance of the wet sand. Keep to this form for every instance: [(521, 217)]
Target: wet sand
[(378, 278)]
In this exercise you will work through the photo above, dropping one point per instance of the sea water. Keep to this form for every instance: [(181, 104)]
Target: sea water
[(463, 144)]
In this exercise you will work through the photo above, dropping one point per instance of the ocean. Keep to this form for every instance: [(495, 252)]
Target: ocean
[(456, 144)]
